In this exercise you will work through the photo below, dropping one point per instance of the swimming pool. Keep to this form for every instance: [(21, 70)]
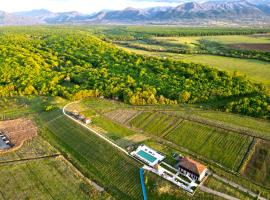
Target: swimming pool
[(146, 156)]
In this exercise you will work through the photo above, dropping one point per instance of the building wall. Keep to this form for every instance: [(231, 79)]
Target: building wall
[(202, 175)]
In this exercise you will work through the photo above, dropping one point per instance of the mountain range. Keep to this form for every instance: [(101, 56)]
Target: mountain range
[(212, 10)]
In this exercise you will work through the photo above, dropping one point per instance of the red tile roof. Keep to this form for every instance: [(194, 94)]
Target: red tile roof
[(192, 165)]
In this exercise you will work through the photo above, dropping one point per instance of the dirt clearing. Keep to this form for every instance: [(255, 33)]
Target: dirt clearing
[(17, 131)]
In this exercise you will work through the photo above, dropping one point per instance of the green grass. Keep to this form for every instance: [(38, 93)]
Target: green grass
[(114, 131), (225, 39), (160, 189), (238, 120), (36, 147), (96, 158), (226, 148), (227, 189), (43, 179), (258, 71), (258, 168)]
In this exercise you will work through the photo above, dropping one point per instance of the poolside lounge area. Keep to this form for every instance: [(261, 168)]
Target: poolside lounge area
[(148, 155)]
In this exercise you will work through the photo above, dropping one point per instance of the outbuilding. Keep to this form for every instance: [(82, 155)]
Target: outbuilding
[(87, 121)]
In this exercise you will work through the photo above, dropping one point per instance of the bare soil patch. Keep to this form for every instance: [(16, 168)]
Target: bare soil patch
[(121, 116), (260, 47), (18, 131)]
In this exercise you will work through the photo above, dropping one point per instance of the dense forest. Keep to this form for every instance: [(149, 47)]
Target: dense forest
[(75, 64), (123, 33)]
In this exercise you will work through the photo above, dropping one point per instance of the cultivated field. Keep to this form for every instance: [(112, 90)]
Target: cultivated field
[(34, 148), (43, 179), (154, 123), (226, 148), (96, 158), (258, 167)]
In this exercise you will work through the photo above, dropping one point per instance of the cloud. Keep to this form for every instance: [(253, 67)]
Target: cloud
[(85, 6)]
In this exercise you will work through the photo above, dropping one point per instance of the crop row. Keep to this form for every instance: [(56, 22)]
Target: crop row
[(97, 159)]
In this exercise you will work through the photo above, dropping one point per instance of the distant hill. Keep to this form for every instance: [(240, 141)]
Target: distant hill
[(192, 10), (232, 11), (11, 19)]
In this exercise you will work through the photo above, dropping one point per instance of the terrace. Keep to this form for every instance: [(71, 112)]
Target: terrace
[(148, 155)]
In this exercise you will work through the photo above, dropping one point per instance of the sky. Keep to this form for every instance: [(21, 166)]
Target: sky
[(84, 6)]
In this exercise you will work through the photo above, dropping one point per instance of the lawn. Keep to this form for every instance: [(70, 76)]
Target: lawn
[(97, 159), (44, 179), (226, 148)]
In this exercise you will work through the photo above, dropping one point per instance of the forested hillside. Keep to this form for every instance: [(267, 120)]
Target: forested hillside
[(74, 64)]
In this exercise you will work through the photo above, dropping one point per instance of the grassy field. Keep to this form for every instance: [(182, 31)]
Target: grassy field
[(38, 171), (225, 39), (227, 189), (113, 130), (248, 122), (160, 189), (43, 179), (34, 148), (95, 158), (258, 168)]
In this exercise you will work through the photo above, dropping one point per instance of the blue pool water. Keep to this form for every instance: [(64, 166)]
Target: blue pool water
[(146, 156)]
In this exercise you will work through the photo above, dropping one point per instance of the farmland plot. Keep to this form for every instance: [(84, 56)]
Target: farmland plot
[(224, 147), (258, 168), (33, 148), (154, 123), (97, 159), (43, 179), (121, 116)]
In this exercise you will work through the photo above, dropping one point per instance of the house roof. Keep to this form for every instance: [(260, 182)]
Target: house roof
[(192, 165)]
